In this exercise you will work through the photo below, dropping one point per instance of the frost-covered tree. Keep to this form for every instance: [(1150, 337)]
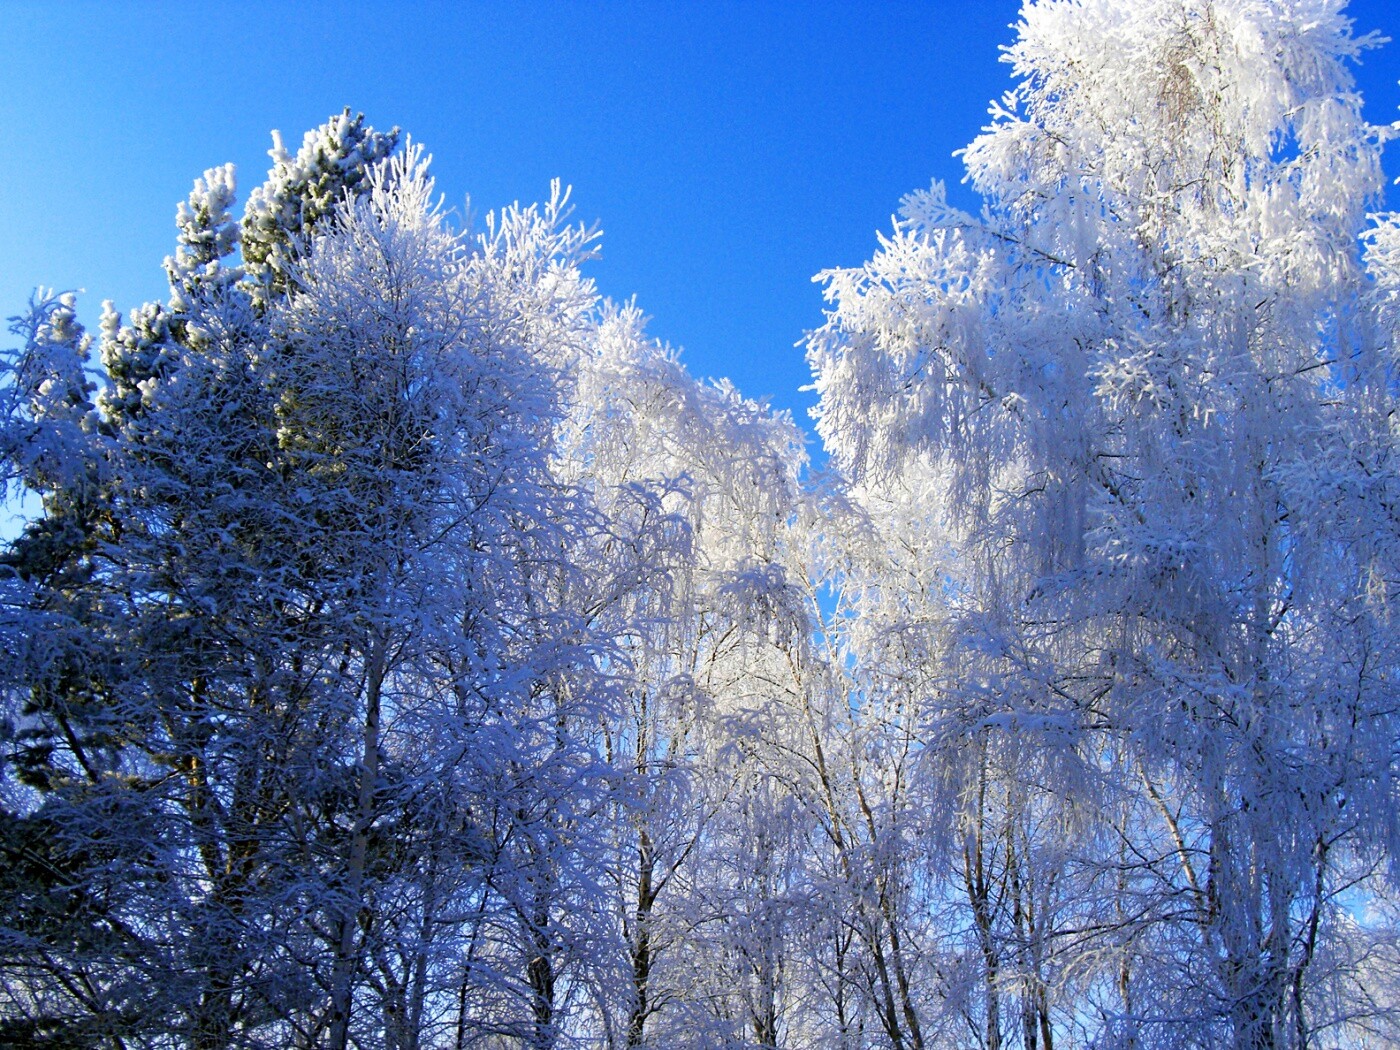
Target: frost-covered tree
[(283, 637), (530, 777), (406, 651), (1149, 389), (301, 190), (419, 435), (694, 486)]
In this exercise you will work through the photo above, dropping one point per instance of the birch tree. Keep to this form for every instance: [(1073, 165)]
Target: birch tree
[(694, 485), (1135, 375)]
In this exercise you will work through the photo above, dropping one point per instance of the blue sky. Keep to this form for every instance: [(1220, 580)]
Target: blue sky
[(728, 151)]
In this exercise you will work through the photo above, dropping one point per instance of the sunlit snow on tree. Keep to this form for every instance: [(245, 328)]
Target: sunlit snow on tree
[(405, 651)]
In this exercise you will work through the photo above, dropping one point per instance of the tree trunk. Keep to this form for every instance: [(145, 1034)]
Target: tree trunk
[(352, 910), (641, 947)]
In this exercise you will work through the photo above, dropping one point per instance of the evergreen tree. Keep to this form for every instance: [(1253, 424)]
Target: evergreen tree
[(295, 541)]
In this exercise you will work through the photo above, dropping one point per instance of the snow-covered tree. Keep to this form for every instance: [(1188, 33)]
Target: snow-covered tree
[(289, 582), (406, 651), (1150, 392), (694, 486), (300, 191)]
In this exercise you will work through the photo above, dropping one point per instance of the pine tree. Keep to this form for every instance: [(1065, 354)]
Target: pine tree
[(302, 190), (283, 581)]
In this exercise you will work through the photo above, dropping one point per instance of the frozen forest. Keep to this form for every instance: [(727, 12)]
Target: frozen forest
[(402, 650)]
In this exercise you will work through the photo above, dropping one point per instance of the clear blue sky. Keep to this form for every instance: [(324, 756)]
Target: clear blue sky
[(728, 150)]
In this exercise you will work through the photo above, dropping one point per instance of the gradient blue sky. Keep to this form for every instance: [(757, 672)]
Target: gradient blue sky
[(729, 151)]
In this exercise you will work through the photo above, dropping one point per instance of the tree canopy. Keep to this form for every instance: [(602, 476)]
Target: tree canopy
[(405, 651)]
